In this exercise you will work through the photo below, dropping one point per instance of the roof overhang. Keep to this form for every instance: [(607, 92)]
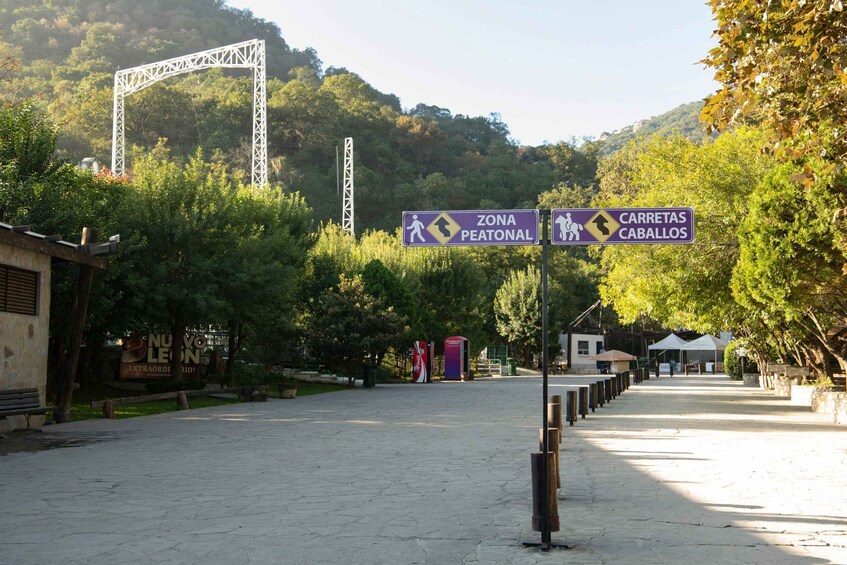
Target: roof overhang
[(59, 250)]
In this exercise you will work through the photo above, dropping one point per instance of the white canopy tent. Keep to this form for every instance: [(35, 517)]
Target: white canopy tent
[(673, 343), (706, 343)]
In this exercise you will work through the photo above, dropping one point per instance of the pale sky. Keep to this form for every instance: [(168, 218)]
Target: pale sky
[(552, 69)]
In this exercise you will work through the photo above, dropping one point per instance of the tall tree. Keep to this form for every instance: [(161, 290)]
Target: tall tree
[(784, 64), (687, 285), (348, 328), (790, 267), (179, 222), (517, 307)]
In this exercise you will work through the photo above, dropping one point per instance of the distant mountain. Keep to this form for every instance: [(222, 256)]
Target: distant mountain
[(683, 120)]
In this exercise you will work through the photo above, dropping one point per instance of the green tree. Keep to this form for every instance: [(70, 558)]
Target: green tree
[(782, 63), (790, 264), (394, 293), (258, 272), (179, 222), (348, 328), (517, 307), (688, 285)]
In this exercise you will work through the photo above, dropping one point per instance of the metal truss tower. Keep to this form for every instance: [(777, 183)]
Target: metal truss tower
[(244, 55), (347, 215)]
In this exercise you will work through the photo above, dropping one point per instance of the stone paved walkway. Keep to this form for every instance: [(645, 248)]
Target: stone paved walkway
[(682, 470)]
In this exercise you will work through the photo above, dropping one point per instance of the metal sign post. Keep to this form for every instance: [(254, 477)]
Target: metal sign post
[(545, 504), (571, 226)]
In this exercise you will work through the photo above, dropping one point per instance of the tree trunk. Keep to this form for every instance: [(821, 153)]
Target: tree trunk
[(67, 372), (234, 340), (177, 337)]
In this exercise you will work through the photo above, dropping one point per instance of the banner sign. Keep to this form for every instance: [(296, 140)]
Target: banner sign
[(470, 227), (149, 356), (588, 226)]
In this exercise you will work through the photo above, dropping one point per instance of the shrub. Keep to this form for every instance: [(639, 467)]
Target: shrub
[(156, 387), (249, 374), (732, 364)]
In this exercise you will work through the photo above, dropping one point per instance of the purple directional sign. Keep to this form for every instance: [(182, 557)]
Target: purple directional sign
[(470, 227), (608, 226)]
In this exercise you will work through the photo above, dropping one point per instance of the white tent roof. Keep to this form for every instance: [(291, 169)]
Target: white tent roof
[(673, 341), (705, 343)]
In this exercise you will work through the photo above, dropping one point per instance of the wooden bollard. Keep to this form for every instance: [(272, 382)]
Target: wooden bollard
[(601, 392), (583, 401), (592, 396), (608, 386), (572, 407), (182, 400), (553, 436), (109, 410), (538, 487), (557, 399), (554, 417)]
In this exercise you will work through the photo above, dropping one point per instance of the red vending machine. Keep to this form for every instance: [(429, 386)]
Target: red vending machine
[(422, 356)]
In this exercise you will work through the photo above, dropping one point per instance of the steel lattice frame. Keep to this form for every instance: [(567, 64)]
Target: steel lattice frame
[(244, 55), (347, 215)]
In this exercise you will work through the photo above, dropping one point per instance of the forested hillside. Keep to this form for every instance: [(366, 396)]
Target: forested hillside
[(63, 54), (683, 120)]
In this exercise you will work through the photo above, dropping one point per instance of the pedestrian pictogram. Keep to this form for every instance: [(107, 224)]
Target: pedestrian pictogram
[(415, 228), (602, 226), (443, 228)]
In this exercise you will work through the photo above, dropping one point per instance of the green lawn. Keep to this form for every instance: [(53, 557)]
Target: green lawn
[(81, 408)]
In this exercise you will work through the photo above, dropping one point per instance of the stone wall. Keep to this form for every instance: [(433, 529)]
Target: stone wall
[(24, 339), (831, 402), (782, 387)]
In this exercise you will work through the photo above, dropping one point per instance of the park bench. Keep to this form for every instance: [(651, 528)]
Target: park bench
[(181, 397), (22, 402)]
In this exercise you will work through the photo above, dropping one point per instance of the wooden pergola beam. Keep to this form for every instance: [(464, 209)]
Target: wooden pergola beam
[(59, 250)]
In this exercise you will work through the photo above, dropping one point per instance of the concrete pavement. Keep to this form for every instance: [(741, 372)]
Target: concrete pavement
[(682, 470)]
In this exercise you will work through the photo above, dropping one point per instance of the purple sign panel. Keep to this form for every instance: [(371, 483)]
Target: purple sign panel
[(470, 227), (608, 226)]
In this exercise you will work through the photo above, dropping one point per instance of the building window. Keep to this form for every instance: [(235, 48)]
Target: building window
[(18, 291), (582, 348)]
